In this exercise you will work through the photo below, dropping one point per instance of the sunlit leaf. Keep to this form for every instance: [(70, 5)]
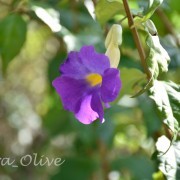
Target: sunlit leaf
[(158, 58), (161, 93), (169, 157), (47, 14), (12, 37), (173, 91)]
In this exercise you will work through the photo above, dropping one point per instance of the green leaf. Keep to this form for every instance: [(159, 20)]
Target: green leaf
[(173, 5), (173, 91), (169, 157), (158, 58), (158, 176), (134, 164), (161, 93), (115, 0), (131, 80), (80, 168), (105, 10), (148, 12), (153, 5), (145, 88), (12, 37), (56, 121), (151, 120)]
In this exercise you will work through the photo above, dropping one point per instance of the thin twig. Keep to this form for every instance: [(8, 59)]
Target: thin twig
[(136, 39), (122, 19), (167, 24)]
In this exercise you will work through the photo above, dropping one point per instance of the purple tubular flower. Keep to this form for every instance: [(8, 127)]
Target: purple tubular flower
[(87, 82)]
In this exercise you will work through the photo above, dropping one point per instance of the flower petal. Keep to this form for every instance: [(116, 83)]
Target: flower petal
[(73, 66), (70, 90), (96, 105), (86, 114), (95, 62), (79, 64), (111, 85)]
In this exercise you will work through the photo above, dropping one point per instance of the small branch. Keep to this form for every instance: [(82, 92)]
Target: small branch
[(94, 2), (122, 19), (167, 24), (104, 160), (165, 20), (168, 131), (136, 39)]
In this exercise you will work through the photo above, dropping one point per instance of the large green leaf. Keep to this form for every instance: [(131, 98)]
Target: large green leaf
[(169, 157), (131, 79), (105, 10), (157, 59), (12, 37), (161, 93)]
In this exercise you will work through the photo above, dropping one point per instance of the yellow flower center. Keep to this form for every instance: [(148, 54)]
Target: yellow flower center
[(94, 79)]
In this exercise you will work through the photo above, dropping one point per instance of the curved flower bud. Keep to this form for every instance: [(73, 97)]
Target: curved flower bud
[(114, 55), (113, 40), (151, 27), (114, 35)]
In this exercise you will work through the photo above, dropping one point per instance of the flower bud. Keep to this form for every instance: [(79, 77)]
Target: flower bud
[(114, 35), (113, 40), (114, 55), (151, 27)]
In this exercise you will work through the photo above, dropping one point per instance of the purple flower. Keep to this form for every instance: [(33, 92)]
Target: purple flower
[(87, 82)]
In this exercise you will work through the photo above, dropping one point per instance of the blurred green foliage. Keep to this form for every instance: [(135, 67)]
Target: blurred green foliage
[(35, 37)]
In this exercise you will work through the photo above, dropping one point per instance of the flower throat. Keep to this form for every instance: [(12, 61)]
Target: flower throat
[(94, 79)]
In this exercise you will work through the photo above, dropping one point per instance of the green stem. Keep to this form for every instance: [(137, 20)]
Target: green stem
[(136, 38)]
